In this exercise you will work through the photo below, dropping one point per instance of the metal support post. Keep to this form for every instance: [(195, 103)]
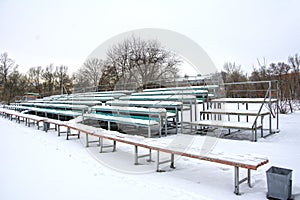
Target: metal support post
[(262, 126), (136, 155), (114, 145), (177, 118), (270, 105), (249, 177), (58, 130), (196, 110), (172, 162), (102, 146), (166, 124), (236, 180), (157, 162), (181, 113), (163, 162), (87, 140), (247, 117), (108, 125), (149, 131), (277, 105)]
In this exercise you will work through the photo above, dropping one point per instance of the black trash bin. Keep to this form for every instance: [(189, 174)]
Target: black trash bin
[(279, 182)]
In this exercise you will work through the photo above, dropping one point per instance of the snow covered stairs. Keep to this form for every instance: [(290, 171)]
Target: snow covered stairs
[(223, 114)]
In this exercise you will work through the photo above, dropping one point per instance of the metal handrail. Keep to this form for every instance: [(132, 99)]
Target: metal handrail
[(266, 95), (248, 82)]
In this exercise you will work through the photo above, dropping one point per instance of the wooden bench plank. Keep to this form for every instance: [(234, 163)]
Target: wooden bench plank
[(245, 161)]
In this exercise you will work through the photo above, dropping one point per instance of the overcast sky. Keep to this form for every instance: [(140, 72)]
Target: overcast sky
[(38, 32)]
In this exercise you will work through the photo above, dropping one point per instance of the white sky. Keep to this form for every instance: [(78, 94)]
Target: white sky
[(37, 32)]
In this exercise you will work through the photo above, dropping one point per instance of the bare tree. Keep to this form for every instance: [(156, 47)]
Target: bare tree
[(294, 61), (7, 66), (48, 78), (108, 79), (35, 79), (233, 73), (89, 74), (16, 85), (62, 82), (141, 61)]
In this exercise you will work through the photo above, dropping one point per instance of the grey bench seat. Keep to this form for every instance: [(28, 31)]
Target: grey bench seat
[(235, 112), (230, 125), (124, 120)]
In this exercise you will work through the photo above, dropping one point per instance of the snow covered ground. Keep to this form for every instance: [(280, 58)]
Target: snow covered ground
[(39, 165)]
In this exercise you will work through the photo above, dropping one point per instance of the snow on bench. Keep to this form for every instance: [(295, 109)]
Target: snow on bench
[(159, 114), (174, 105), (226, 124), (170, 92), (204, 87), (58, 124), (169, 105), (11, 114), (82, 98), (133, 110), (235, 112), (247, 161), (77, 102), (230, 125), (242, 100), (58, 112), (125, 120), (180, 98), (114, 95)]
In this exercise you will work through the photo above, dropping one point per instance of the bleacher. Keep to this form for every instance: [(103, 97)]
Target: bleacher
[(151, 113), (192, 109)]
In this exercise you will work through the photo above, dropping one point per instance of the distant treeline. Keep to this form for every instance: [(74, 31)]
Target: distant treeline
[(137, 61), (133, 60), (286, 73)]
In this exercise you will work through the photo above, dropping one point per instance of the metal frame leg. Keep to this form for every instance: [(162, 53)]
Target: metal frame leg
[(249, 178), (150, 156), (177, 119), (157, 162), (136, 155), (262, 126), (68, 132), (87, 140), (108, 125), (163, 162), (58, 130), (149, 131), (172, 161), (92, 141), (101, 145), (114, 146), (237, 180), (107, 146), (166, 125)]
